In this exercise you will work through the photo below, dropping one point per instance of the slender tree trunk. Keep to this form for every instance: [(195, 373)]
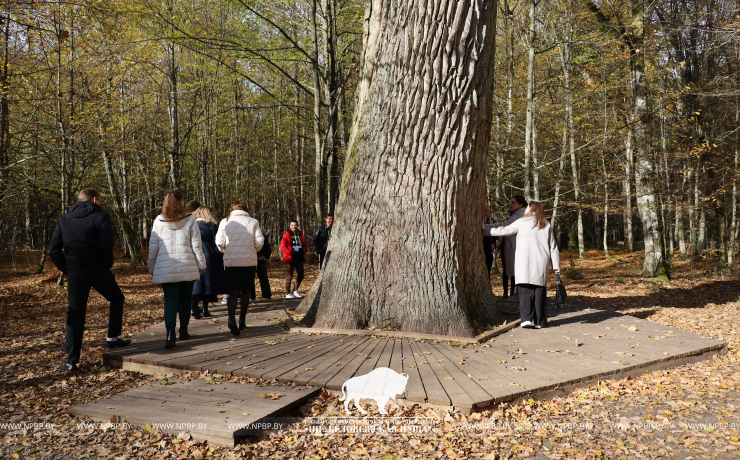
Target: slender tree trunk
[(4, 105), (406, 248), (731, 249), (320, 165), (645, 175), (561, 167), (331, 90), (173, 111), (627, 185), (565, 56), (528, 126), (297, 195)]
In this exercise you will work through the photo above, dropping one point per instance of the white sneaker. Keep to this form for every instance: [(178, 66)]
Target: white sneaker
[(526, 324), (537, 326), (296, 295), (289, 296), (514, 298)]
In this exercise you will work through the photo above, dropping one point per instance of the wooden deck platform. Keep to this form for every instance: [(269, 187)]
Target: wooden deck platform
[(221, 413), (581, 344)]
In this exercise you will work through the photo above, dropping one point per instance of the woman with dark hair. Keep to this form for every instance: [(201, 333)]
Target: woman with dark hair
[(212, 282), (176, 261), (239, 238), (517, 206), (536, 248)]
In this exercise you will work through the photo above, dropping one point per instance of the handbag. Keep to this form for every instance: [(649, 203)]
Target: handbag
[(560, 295)]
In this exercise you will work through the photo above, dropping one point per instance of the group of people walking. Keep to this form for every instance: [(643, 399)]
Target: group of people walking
[(192, 256), (195, 258), (527, 246)]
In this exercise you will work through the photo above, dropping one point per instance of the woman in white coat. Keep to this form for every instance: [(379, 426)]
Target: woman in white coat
[(176, 261), (536, 247), (517, 207), (239, 237)]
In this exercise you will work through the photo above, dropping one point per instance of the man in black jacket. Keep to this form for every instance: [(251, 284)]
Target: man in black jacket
[(82, 247), (321, 238)]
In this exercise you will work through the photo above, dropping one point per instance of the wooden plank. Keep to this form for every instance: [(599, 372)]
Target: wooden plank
[(349, 368), (485, 368), (250, 359), (435, 393), (396, 362), (183, 403), (290, 361), (308, 370), (191, 346), (240, 365), (374, 356), (385, 358), (458, 396), (285, 372), (265, 350), (464, 377), (323, 370), (414, 386)]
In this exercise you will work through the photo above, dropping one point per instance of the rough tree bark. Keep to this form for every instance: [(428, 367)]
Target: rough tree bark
[(406, 249)]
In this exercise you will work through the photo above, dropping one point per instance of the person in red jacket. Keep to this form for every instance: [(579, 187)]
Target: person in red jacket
[(293, 247)]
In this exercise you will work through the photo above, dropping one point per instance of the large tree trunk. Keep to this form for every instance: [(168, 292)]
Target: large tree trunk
[(406, 249)]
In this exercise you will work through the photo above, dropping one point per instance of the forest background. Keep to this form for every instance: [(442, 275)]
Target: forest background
[(602, 111)]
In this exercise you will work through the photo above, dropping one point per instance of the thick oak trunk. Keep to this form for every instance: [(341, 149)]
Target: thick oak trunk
[(406, 246)]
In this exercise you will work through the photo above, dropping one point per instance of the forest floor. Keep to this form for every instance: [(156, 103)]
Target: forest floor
[(690, 412)]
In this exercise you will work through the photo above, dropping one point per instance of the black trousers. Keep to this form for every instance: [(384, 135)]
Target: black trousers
[(264, 281), (322, 254), (533, 303), (78, 291), (489, 263)]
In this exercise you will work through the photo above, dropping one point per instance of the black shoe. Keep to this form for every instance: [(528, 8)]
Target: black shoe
[(233, 327), (171, 340), (242, 322), (196, 314), (183, 334), (206, 313), (69, 368), (111, 344)]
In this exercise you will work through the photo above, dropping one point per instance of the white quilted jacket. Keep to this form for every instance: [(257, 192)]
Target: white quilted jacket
[(239, 238), (175, 252)]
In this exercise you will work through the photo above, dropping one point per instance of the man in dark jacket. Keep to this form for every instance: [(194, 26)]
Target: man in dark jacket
[(263, 257), (321, 238), (82, 247)]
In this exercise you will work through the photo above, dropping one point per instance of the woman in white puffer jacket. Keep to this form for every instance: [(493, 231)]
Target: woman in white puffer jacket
[(239, 237), (176, 261)]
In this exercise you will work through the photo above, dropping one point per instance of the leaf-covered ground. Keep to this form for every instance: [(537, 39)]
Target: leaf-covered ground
[(689, 412)]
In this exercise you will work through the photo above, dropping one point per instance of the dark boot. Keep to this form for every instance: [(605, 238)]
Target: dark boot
[(232, 325), (231, 305), (206, 313), (184, 333), (195, 309), (243, 314), (170, 342)]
